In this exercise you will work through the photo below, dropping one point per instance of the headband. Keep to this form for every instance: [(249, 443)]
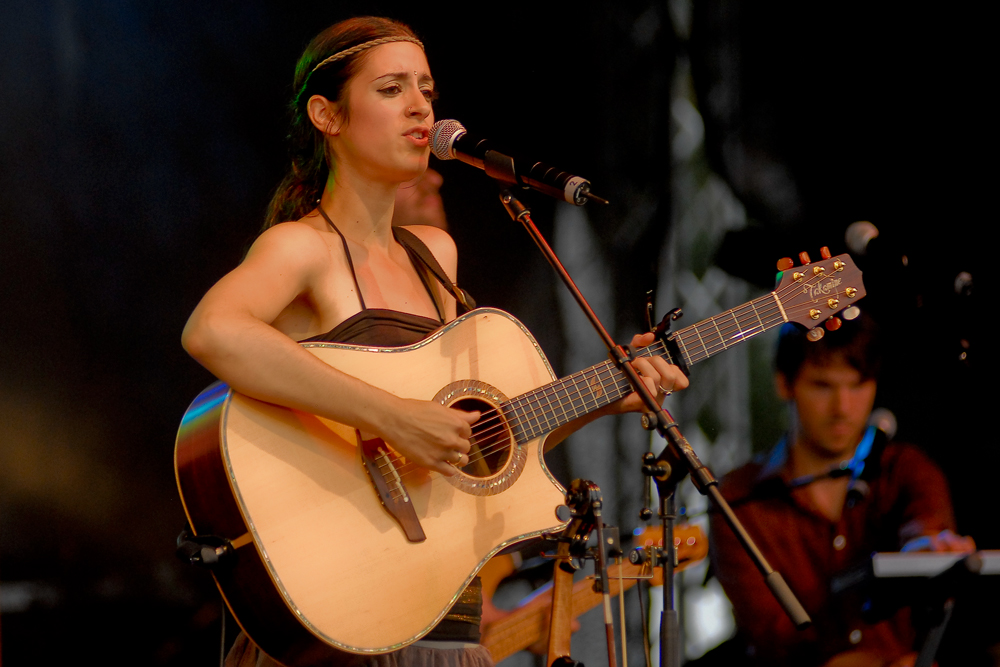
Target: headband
[(340, 55)]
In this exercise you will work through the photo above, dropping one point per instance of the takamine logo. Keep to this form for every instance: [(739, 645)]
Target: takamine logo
[(822, 289)]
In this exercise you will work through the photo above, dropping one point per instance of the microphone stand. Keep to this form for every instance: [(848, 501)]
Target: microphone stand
[(675, 461)]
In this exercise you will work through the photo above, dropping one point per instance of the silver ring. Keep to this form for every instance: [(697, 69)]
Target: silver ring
[(456, 461), (665, 392)]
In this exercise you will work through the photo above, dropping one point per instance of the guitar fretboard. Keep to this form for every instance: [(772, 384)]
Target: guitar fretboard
[(545, 409)]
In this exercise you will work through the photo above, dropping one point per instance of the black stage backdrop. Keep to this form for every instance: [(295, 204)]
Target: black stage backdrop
[(140, 142)]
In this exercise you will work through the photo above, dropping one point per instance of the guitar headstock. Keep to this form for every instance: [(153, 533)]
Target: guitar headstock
[(820, 292), (689, 541)]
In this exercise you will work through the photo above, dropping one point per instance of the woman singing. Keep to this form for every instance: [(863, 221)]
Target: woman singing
[(330, 267)]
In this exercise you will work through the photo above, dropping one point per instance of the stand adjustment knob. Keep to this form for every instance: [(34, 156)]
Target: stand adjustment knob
[(638, 556)]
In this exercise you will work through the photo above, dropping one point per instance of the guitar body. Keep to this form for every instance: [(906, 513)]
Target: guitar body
[(322, 570)]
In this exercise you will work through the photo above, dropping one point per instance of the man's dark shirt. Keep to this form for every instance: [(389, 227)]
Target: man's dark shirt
[(907, 497)]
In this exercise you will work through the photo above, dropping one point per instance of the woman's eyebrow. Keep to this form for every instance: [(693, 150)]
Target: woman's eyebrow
[(423, 78)]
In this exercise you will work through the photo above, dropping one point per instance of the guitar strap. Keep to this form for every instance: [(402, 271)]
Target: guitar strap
[(419, 250)]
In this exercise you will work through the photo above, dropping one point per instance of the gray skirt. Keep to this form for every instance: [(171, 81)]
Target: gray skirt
[(245, 653)]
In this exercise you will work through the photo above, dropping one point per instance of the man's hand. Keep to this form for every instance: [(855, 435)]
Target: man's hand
[(945, 541)]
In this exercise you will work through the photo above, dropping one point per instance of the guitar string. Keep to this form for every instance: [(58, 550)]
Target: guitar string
[(551, 390), (499, 435), (718, 343), (495, 422), (543, 407), (569, 385)]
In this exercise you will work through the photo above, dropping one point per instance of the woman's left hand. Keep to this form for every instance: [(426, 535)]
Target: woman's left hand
[(659, 377)]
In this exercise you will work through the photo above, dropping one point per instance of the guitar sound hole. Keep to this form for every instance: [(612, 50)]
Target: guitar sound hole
[(490, 439)]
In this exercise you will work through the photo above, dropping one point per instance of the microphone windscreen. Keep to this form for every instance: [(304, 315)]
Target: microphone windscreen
[(859, 235), (443, 135), (885, 421)]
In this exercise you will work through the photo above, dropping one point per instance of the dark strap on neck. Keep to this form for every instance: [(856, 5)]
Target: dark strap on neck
[(347, 252), (420, 250)]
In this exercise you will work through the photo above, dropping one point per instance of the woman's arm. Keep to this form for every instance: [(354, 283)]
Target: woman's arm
[(230, 334)]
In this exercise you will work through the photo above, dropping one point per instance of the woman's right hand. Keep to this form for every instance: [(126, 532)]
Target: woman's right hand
[(431, 435)]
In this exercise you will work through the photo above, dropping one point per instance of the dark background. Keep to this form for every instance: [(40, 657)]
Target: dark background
[(140, 142)]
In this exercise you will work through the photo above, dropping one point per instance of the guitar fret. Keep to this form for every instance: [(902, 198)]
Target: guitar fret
[(722, 339), (666, 354), (579, 401), (746, 326), (566, 401), (754, 308), (515, 425), (603, 397), (558, 409), (682, 347), (596, 387), (536, 428), (777, 301), (548, 411), (523, 419), (573, 394), (739, 327), (777, 318), (579, 384), (702, 341), (612, 391), (542, 411)]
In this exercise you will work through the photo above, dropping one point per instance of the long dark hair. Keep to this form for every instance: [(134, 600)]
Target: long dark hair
[(310, 161)]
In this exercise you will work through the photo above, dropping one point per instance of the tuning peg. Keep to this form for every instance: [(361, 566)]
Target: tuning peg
[(833, 323), (815, 334), (785, 263), (851, 313), (824, 252), (804, 257)]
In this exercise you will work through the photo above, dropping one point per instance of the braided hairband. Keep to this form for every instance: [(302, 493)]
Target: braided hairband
[(340, 55)]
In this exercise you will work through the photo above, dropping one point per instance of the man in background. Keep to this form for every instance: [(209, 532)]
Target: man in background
[(418, 202), (824, 499)]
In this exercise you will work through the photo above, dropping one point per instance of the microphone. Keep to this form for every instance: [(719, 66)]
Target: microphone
[(450, 141), (862, 238), (885, 421), (866, 462)]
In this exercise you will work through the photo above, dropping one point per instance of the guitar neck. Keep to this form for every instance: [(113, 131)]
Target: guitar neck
[(545, 409)]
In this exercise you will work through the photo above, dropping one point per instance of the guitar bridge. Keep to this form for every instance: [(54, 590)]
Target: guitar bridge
[(380, 464)]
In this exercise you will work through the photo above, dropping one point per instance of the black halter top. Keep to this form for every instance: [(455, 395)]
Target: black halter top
[(383, 327)]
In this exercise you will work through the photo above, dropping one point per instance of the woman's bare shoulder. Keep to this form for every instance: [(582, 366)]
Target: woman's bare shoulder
[(441, 245), (289, 236), (297, 244)]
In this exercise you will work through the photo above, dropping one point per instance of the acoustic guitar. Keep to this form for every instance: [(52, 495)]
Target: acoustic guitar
[(344, 550)]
